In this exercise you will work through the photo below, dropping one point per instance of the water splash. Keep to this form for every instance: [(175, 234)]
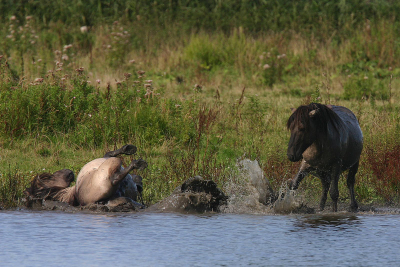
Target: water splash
[(289, 201), (250, 192)]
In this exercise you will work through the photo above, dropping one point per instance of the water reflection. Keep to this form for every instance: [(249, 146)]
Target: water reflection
[(327, 220), (163, 239)]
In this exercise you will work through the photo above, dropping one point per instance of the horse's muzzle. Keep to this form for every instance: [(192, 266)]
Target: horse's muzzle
[(293, 158)]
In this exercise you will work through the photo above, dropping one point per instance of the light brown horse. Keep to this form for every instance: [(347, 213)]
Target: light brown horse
[(328, 140), (101, 179)]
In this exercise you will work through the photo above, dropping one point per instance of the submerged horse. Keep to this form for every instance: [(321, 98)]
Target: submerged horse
[(100, 180), (328, 140)]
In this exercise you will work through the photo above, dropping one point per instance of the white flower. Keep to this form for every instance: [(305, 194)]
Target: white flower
[(84, 29)]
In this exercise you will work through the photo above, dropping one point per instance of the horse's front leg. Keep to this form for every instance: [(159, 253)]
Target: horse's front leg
[(305, 168), (326, 182)]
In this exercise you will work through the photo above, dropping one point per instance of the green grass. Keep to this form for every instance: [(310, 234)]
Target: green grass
[(223, 80)]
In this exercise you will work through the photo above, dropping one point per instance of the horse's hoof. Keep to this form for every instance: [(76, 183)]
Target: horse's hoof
[(140, 164), (128, 149), (354, 208)]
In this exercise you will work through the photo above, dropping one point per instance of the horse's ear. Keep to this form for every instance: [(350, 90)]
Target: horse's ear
[(293, 110), (313, 112)]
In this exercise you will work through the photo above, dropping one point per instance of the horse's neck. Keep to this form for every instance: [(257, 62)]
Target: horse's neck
[(332, 142)]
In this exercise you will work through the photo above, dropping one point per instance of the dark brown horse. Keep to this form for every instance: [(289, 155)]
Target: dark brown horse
[(329, 141)]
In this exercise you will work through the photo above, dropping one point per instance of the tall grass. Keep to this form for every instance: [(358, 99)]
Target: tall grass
[(194, 84)]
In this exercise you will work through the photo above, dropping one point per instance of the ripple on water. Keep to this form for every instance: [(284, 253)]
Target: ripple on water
[(162, 239)]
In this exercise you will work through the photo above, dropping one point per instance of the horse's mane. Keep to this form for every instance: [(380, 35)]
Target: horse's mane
[(323, 117), (40, 189)]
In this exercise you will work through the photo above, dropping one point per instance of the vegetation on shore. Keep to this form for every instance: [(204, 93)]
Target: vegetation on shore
[(194, 85)]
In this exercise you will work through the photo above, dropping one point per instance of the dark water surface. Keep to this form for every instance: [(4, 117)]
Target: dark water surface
[(153, 239)]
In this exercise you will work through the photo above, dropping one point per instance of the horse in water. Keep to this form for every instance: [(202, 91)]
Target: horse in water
[(99, 180), (328, 140)]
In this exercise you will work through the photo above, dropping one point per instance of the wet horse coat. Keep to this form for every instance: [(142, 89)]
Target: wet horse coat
[(102, 179), (328, 140)]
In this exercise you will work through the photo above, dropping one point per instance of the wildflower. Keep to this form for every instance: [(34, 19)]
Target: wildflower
[(115, 23), (13, 18), (127, 75), (89, 82), (141, 72), (365, 77), (90, 115), (147, 85), (266, 66), (33, 42), (84, 29), (39, 60), (149, 81), (62, 79), (1, 56), (65, 57), (109, 46), (80, 70), (261, 57), (197, 87), (177, 106), (131, 61), (138, 100), (39, 80), (66, 47), (98, 81)]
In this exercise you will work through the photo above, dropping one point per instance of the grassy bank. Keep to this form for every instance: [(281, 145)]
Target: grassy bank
[(194, 87)]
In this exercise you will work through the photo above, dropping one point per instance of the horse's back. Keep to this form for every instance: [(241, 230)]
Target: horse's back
[(354, 133)]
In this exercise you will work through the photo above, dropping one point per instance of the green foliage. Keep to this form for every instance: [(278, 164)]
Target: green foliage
[(181, 132), (362, 87)]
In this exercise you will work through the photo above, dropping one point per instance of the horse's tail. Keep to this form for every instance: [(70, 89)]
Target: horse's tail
[(67, 195)]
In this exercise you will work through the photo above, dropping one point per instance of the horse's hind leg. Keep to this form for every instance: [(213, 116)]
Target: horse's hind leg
[(126, 149), (326, 182), (351, 179)]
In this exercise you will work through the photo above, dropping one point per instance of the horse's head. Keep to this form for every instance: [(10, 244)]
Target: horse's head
[(303, 132)]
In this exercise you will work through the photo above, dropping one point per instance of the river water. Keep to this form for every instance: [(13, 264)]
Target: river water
[(52, 238)]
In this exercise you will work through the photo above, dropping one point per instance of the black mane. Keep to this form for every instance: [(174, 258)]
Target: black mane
[(324, 116)]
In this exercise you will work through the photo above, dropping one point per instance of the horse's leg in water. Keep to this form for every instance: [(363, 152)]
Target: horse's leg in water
[(351, 179), (121, 174), (126, 149), (334, 190), (305, 168), (326, 182)]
